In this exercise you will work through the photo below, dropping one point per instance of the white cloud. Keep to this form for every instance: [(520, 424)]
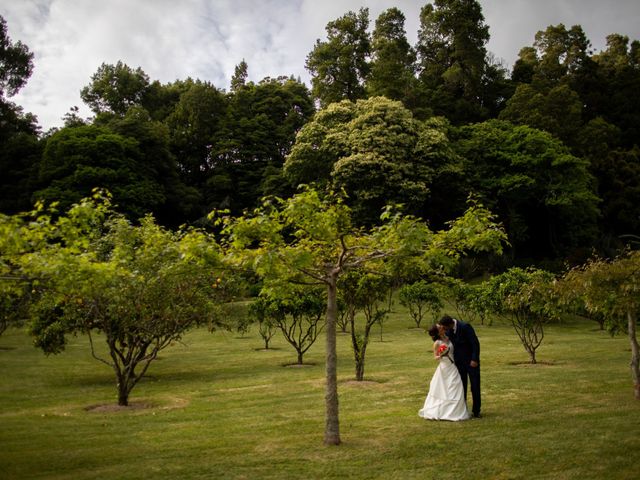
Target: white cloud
[(205, 39)]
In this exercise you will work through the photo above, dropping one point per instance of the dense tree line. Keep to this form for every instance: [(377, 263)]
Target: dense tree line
[(551, 146)]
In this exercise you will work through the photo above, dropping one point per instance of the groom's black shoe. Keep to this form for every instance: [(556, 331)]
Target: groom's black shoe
[(477, 415)]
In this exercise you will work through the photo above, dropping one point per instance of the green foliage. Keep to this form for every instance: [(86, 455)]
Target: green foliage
[(558, 111), (609, 289), (115, 88), (452, 58), (267, 315), (19, 158), (16, 63), (543, 194), (338, 66), (364, 293), (298, 314), (526, 298), (15, 291), (20, 149), (375, 151), (129, 156), (421, 297), (471, 301), (141, 287), (193, 125), (256, 135), (392, 66), (618, 174)]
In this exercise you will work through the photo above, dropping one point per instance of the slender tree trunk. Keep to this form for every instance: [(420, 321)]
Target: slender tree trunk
[(635, 353), (360, 366), (123, 392), (332, 426)]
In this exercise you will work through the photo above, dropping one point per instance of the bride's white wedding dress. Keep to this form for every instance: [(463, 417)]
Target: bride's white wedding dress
[(445, 400)]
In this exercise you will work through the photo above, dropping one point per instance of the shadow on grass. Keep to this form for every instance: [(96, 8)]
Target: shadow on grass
[(108, 378), (137, 405)]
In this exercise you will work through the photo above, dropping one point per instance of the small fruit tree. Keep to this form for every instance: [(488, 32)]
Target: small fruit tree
[(310, 239), (610, 288), (140, 287)]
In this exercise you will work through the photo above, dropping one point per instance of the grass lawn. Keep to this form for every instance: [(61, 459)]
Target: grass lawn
[(218, 407)]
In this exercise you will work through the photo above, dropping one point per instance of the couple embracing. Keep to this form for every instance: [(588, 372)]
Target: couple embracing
[(457, 349)]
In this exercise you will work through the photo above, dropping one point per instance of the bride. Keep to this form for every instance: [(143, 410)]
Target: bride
[(445, 400)]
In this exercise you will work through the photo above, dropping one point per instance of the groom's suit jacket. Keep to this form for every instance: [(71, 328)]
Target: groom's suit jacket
[(466, 346)]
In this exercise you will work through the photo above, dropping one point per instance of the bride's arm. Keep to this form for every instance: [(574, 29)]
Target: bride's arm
[(435, 350)]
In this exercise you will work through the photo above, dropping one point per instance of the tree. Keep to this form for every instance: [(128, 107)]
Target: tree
[(300, 317), (195, 126), (543, 194), (127, 155), (20, 154), (560, 53), (16, 63), (20, 147), (610, 288), (264, 312), (452, 58), (557, 111), (375, 151), (239, 79), (141, 287), (16, 291), (525, 298), (154, 161), (617, 76), (392, 66), (115, 88), (310, 238), (420, 297), (363, 292), (618, 174), (339, 66), (257, 133)]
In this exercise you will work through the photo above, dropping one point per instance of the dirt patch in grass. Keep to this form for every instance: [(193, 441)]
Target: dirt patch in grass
[(529, 364), (137, 405), (298, 365), (113, 407)]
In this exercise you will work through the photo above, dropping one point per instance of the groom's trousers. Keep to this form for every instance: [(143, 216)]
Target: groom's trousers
[(471, 375)]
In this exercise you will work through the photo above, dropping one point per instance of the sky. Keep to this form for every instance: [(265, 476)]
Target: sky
[(205, 39)]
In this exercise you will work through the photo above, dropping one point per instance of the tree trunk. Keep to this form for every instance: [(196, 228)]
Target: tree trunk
[(360, 370), (123, 393), (635, 353), (332, 425)]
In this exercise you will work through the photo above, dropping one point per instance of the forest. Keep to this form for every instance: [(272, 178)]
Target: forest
[(550, 147)]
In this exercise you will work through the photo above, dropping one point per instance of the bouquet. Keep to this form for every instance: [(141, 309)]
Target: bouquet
[(443, 351)]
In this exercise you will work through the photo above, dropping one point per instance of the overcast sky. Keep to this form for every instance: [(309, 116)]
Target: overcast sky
[(205, 39)]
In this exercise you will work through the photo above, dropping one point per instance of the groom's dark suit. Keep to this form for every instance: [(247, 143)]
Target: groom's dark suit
[(466, 348)]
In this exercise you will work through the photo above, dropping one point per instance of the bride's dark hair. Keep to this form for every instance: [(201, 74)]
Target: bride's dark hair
[(434, 332)]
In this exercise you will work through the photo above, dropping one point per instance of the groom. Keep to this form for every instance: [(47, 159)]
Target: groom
[(466, 354)]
